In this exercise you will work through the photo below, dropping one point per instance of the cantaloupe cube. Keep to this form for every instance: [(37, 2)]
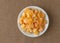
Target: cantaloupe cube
[(36, 33)]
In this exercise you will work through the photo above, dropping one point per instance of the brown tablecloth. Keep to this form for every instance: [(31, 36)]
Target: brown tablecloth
[(9, 10)]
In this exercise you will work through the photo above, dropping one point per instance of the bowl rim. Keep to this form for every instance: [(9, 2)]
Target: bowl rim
[(40, 10)]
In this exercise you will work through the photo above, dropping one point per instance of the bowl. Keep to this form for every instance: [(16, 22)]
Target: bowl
[(46, 17)]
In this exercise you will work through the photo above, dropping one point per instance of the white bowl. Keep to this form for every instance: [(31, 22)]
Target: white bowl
[(32, 35)]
